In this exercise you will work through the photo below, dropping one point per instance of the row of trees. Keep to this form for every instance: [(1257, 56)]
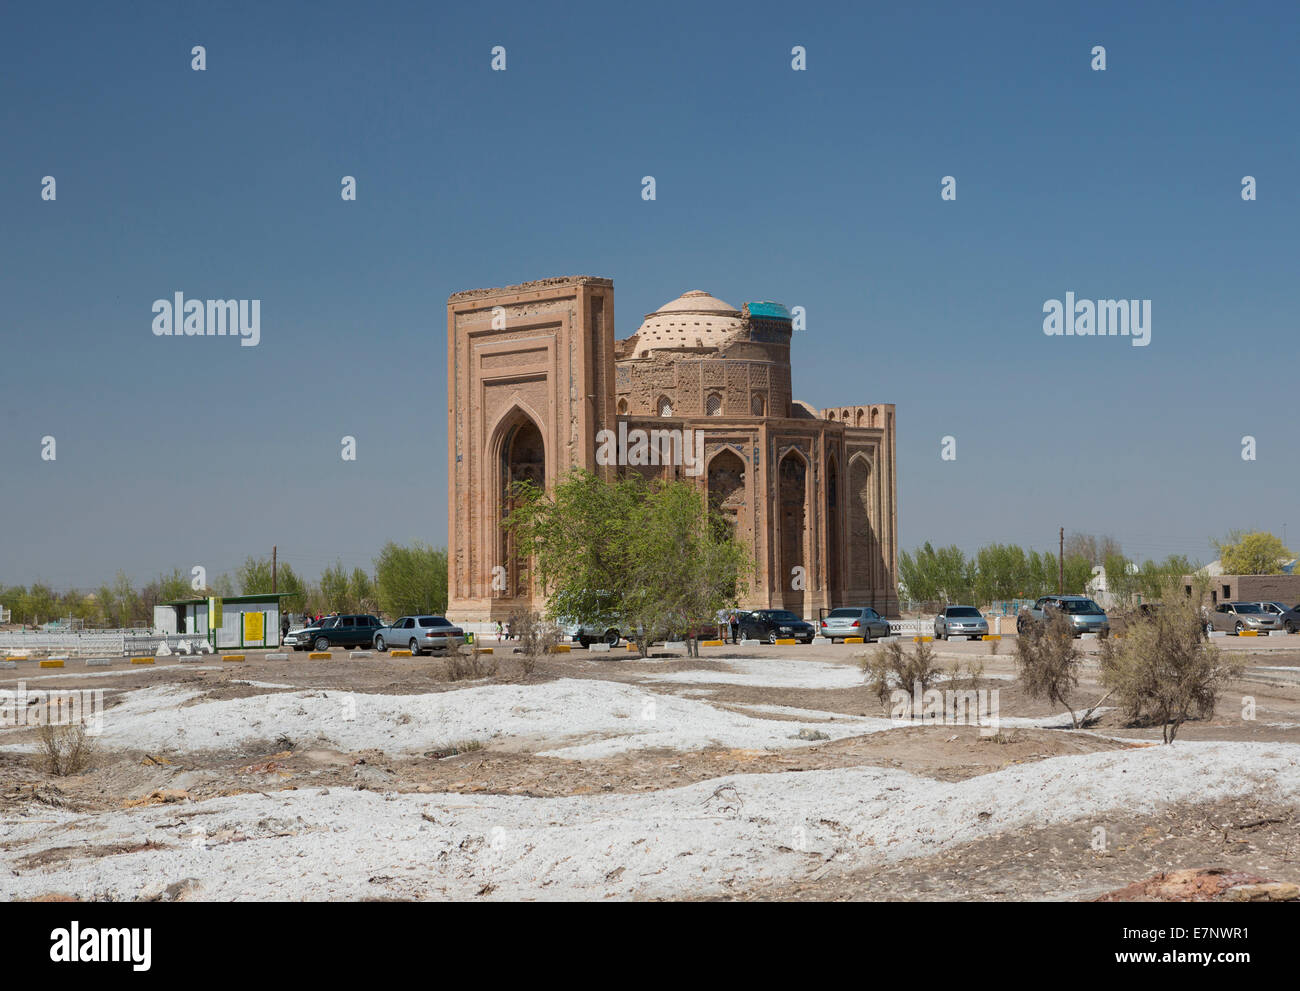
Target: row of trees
[(406, 579), (993, 573), (1006, 571)]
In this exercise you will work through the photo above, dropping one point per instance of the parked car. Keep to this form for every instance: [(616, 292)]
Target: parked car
[(1083, 615), (853, 621), (419, 633), (353, 630), (585, 634), (960, 621), (775, 624), (1288, 616), (1237, 617)]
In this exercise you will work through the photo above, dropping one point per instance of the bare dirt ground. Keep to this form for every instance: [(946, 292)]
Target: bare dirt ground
[(57, 832)]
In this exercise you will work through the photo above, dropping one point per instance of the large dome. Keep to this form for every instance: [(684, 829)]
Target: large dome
[(693, 320)]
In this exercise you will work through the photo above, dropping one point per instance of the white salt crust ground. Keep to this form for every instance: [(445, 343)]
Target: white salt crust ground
[(575, 719), (691, 840)]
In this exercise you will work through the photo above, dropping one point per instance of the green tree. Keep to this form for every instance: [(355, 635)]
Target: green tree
[(1256, 553), (650, 553), (410, 579), (943, 575), (334, 589)]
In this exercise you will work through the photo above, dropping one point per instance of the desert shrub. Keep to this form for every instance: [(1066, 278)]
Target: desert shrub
[(969, 675), (470, 665), (1048, 661), (1163, 669), (892, 665), (65, 750), (537, 636)]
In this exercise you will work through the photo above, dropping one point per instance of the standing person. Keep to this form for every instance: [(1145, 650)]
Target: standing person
[(499, 631), (284, 627), (735, 626)]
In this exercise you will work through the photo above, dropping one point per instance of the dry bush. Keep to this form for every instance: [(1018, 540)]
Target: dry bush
[(994, 646), (65, 750), (1163, 670), (1048, 661), (537, 636), (973, 672), (470, 665), (893, 665)]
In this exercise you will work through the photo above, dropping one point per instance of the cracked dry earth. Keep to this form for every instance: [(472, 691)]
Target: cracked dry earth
[(119, 828)]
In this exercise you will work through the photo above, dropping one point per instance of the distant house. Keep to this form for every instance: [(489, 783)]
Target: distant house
[(1245, 588)]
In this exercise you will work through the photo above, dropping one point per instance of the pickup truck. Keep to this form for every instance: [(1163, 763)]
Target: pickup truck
[(419, 633)]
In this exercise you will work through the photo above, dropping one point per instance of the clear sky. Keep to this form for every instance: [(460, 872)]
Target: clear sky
[(818, 188)]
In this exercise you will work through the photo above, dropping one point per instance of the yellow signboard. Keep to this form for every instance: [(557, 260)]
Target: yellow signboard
[(254, 626), (214, 612)]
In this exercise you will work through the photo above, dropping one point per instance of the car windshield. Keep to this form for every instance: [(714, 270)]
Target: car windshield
[(1248, 607), (783, 616), (965, 612), (433, 621), (1081, 607)]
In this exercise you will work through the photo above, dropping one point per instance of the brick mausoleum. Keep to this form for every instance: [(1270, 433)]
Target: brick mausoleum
[(534, 374)]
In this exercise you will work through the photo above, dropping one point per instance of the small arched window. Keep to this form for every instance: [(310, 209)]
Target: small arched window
[(664, 406), (622, 407), (713, 405), (756, 405)]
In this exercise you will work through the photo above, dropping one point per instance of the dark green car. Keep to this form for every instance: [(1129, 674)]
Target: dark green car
[(335, 631)]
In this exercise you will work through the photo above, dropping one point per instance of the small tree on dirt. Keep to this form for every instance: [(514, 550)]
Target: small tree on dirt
[(1163, 670), (892, 666), (1048, 662)]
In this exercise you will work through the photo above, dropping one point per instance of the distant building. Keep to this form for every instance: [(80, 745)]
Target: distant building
[(1246, 588), (536, 379), (246, 620)]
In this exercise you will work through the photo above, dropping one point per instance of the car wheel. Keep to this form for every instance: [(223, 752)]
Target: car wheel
[(415, 648), (1290, 626), (612, 637), (380, 645), (771, 637), (322, 644), (1240, 627)]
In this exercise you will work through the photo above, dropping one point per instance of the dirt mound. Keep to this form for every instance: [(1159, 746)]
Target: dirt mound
[(1205, 884)]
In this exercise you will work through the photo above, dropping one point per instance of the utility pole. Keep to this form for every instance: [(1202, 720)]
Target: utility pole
[(273, 586), (1060, 564)]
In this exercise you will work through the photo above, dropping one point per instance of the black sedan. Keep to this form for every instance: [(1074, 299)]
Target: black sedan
[(775, 624)]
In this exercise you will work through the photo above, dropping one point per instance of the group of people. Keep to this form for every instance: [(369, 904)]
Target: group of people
[(307, 620), (729, 625)]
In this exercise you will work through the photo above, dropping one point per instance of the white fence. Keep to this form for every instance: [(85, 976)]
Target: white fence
[(97, 642)]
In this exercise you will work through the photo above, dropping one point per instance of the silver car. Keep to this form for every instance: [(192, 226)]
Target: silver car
[(853, 621), (1239, 617), (960, 621), (419, 633), (1288, 616), (1081, 613)]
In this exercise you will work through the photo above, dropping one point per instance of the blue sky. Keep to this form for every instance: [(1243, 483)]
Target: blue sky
[(816, 188)]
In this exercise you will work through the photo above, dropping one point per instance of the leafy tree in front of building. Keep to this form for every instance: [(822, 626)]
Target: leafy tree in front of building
[(650, 555), (1256, 553)]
